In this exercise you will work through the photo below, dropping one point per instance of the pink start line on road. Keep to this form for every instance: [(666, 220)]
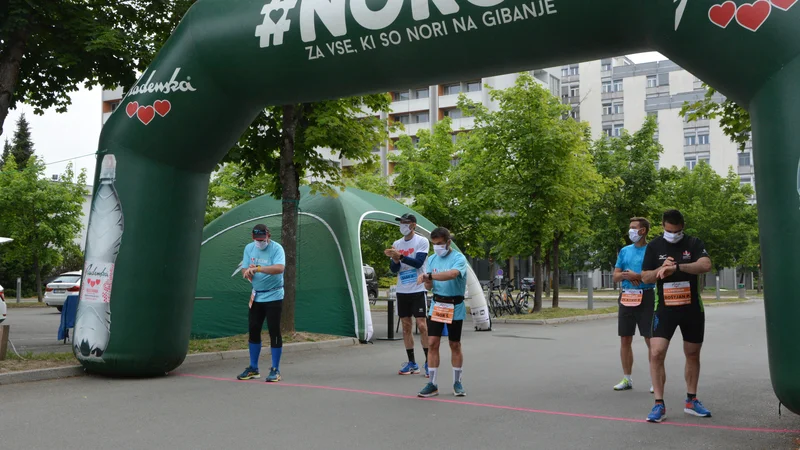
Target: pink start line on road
[(492, 406)]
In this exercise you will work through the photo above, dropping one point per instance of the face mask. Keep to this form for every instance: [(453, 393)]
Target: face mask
[(440, 250), (405, 229), (673, 238), (261, 245), (634, 235)]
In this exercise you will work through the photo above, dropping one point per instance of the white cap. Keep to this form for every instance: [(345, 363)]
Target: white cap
[(109, 168)]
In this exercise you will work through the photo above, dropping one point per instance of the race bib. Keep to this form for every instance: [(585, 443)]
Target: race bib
[(631, 297), (443, 312), (408, 277), (678, 293)]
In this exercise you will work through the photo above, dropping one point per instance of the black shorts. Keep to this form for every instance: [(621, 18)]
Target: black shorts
[(453, 329), (690, 318), (641, 316), (411, 304)]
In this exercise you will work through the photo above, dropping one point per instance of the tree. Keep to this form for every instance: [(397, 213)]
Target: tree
[(6, 153), (22, 145), (284, 142), (734, 119), (47, 49), (46, 216), (518, 167), (628, 163), (230, 188)]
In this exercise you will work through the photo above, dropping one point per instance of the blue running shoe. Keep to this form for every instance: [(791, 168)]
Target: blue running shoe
[(409, 368), (658, 413), (249, 373), (430, 390), (427, 373), (274, 375), (458, 390), (695, 408)]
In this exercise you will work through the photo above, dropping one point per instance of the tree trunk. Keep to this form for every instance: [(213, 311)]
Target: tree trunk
[(38, 271), (9, 73), (556, 240), (291, 197), (547, 269), (537, 269)]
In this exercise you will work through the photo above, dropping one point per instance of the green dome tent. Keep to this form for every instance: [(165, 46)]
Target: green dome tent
[(331, 289)]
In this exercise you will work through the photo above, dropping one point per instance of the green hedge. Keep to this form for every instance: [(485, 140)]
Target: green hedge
[(386, 282)]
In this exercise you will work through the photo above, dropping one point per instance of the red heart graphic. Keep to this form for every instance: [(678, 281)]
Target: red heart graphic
[(162, 107), (752, 16), (721, 15), (91, 282), (97, 281), (783, 4), (130, 110), (146, 114)]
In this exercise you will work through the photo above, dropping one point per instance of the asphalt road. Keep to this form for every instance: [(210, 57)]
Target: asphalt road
[(35, 330), (545, 387)]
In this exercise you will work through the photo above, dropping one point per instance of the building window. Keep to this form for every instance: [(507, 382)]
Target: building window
[(565, 72), (652, 81), (618, 130), (702, 139), (704, 159), (606, 67), (574, 91), (114, 106), (454, 113), (607, 131), (405, 119), (421, 117), (422, 93), (473, 86), (745, 180), (606, 87), (617, 85), (744, 159), (655, 136), (573, 70), (575, 114), (415, 141), (400, 96), (691, 162), (452, 89), (618, 108), (455, 137), (607, 109), (658, 165), (690, 140)]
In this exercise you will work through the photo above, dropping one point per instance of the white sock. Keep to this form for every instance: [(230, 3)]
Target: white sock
[(432, 371), (457, 371), (628, 377)]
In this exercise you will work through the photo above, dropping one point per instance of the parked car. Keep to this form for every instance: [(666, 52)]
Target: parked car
[(528, 283), (372, 283), (57, 290), (2, 305)]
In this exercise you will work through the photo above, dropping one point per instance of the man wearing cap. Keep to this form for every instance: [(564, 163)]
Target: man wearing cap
[(262, 265), (408, 256)]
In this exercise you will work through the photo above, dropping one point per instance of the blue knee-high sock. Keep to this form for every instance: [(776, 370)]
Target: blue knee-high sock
[(255, 352), (276, 357)]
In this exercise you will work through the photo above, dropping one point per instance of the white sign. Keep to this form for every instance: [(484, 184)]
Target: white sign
[(97, 279)]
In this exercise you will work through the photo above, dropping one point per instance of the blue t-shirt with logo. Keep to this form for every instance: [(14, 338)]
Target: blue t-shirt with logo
[(269, 288), (631, 258), (451, 288)]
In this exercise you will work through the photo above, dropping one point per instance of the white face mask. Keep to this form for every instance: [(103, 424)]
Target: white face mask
[(440, 250), (261, 245), (673, 238), (405, 229), (634, 235)]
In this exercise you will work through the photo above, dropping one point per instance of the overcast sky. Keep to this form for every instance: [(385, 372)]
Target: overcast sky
[(57, 137)]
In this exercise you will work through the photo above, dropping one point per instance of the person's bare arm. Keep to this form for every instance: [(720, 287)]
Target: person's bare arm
[(651, 276), (274, 269), (699, 267)]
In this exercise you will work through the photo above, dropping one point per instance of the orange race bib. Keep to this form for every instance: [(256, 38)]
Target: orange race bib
[(678, 293), (631, 297), (443, 312)]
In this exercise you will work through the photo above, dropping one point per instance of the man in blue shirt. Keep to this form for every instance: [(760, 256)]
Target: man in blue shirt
[(447, 276), (637, 300), (262, 265)]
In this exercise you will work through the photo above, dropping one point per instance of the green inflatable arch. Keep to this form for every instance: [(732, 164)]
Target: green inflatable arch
[(229, 58), (331, 289)]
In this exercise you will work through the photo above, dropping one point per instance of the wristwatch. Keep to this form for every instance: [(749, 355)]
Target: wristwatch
[(677, 267), (430, 276)]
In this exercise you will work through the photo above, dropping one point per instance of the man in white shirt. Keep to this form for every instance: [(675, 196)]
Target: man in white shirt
[(408, 257)]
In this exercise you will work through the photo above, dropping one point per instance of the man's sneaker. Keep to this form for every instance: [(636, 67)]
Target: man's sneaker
[(274, 375), (249, 374), (652, 391), (430, 390), (409, 368), (658, 413), (695, 408), (624, 385), (458, 390), (427, 373)]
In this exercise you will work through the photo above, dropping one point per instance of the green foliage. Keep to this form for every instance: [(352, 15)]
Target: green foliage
[(387, 282), (734, 119), (229, 187), (54, 47), (42, 217), (21, 148)]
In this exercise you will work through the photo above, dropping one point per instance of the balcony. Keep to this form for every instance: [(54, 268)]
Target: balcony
[(403, 106), (115, 94), (658, 91), (612, 95), (699, 148), (613, 117), (451, 101), (746, 170), (411, 129), (570, 79), (464, 123)]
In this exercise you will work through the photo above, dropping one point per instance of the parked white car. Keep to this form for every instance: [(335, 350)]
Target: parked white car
[(57, 290)]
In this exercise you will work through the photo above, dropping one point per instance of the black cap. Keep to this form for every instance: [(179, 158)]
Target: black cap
[(260, 231), (408, 217)]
